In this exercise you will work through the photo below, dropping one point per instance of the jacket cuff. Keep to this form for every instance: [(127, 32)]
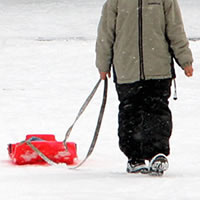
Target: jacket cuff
[(103, 70), (186, 65)]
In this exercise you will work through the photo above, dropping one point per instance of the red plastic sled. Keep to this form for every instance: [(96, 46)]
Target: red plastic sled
[(21, 153)]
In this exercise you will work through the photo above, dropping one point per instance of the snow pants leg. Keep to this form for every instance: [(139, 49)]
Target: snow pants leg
[(145, 121)]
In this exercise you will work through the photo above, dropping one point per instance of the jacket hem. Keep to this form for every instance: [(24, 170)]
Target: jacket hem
[(146, 78)]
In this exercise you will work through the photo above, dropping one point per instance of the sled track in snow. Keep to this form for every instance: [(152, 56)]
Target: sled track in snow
[(194, 39), (49, 39)]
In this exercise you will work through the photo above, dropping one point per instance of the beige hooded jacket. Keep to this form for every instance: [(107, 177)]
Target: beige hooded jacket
[(140, 38)]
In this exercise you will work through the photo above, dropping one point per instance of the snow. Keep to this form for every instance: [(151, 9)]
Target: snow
[(47, 69)]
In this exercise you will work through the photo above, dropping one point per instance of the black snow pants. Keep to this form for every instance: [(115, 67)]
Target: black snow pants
[(145, 121)]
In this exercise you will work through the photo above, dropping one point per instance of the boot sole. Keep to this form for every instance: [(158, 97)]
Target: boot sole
[(158, 165)]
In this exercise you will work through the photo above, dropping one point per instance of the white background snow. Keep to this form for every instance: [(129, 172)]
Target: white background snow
[(47, 69)]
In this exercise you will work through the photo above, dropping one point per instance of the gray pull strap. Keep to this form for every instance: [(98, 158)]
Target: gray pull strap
[(99, 121), (82, 109)]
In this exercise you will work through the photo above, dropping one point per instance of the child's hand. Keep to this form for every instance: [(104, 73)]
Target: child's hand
[(188, 71), (103, 75)]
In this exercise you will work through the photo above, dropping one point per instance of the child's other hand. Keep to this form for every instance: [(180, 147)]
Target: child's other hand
[(188, 71)]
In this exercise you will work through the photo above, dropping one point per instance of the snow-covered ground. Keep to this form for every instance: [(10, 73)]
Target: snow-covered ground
[(47, 70)]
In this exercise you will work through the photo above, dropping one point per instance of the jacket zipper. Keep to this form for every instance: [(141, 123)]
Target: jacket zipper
[(140, 40)]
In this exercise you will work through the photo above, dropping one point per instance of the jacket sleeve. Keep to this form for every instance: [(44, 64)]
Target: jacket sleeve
[(176, 34), (106, 36)]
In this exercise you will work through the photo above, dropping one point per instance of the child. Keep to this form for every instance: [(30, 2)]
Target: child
[(140, 39)]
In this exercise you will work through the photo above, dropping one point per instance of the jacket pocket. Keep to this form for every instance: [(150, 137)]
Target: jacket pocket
[(154, 3)]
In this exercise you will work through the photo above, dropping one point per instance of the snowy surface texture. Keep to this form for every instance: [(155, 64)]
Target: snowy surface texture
[(47, 56)]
